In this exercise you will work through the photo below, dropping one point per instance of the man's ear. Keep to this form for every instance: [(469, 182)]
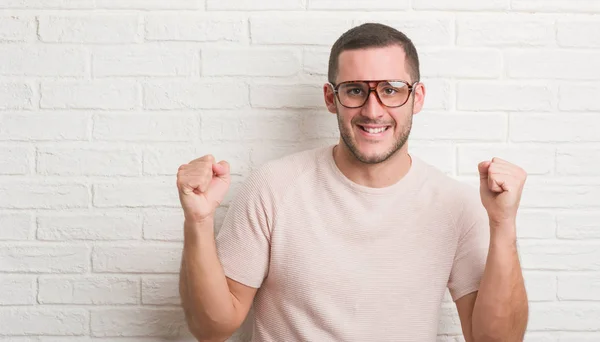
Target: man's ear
[(419, 97), (329, 96)]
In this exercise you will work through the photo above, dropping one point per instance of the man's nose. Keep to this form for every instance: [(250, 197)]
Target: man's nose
[(373, 108)]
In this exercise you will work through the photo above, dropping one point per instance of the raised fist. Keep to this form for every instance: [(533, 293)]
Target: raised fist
[(202, 185)]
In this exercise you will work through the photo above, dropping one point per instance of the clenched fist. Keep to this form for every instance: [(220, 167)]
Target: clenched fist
[(501, 188), (202, 185)]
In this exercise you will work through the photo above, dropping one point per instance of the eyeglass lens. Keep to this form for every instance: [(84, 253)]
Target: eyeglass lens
[(391, 93)]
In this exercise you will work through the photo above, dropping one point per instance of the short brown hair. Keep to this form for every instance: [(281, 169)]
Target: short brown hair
[(373, 35)]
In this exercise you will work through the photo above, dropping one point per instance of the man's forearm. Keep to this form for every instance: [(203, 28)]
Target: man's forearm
[(501, 309), (205, 295)]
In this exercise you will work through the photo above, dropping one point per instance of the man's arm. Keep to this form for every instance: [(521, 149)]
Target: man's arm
[(499, 310), (214, 306)]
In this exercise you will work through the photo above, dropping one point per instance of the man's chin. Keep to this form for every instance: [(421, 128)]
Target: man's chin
[(372, 157)]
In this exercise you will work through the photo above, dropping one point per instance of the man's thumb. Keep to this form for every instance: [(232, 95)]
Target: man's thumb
[(483, 170), (221, 169)]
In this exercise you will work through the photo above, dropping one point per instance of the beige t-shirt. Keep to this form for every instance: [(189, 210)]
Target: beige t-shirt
[(337, 261)]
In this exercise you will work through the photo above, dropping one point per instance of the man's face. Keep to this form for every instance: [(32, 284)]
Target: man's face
[(374, 132)]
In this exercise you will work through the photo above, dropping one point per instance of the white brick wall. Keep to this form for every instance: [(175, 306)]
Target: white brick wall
[(102, 100)]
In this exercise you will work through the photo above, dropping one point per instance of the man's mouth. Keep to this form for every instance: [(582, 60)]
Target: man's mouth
[(373, 129)]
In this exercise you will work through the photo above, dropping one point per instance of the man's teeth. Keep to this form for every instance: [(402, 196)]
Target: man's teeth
[(374, 130)]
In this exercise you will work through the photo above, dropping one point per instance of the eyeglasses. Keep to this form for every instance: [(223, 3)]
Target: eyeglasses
[(391, 93)]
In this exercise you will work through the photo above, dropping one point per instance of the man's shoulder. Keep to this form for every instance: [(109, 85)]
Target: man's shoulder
[(447, 190), (280, 172)]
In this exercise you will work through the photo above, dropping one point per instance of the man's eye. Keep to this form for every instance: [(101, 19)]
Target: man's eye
[(389, 91), (354, 91)]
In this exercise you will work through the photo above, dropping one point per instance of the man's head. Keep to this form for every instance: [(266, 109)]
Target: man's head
[(374, 52)]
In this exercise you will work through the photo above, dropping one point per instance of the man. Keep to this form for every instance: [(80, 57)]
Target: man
[(357, 241)]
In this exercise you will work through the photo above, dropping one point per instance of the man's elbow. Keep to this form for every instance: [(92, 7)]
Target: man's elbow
[(502, 329), (211, 331)]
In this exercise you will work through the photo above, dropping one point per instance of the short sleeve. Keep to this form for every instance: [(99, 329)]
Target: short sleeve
[(472, 248), (243, 241)]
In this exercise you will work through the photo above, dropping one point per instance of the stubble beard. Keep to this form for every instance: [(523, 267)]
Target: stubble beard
[(399, 142)]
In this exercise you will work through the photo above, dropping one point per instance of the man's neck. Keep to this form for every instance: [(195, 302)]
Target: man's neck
[(378, 175)]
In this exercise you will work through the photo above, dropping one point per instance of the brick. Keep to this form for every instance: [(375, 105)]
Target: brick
[(463, 63), (581, 97), (195, 28), (17, 290), (582, 226), (286, 96), (138, 322), (422, 30), (264, 151), (15, 226), (449, 323), (16, 28), (16, 95), (195, 95), (504, 30), (97, 28), (315, 61), (564, 316), (150, 4), (580, 33), (535, 225), (552, 194), (463, 5), (44, 259), (96, 94), (137, 259), (98, 290), (166, 160), (43, 195), (438, 155), (95, 227), (510, 96), (251, 5), (559, 6), (160, 290), (163, 226), (253, 61), (557, 128), (43, 126), (577, 161), (136, 194), (16, 160), (540, 286), (48, 4), (559, 256), (42, 321), (42, 60), (254, 125), (357, 5), (142, 61), (221, 212), (579, 287), (180, 127), (534, 160), (439, 94), (550, 64), (101, 161), (463, 126), (297, 29), (318, 125), (577, 336), (65, 161)]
